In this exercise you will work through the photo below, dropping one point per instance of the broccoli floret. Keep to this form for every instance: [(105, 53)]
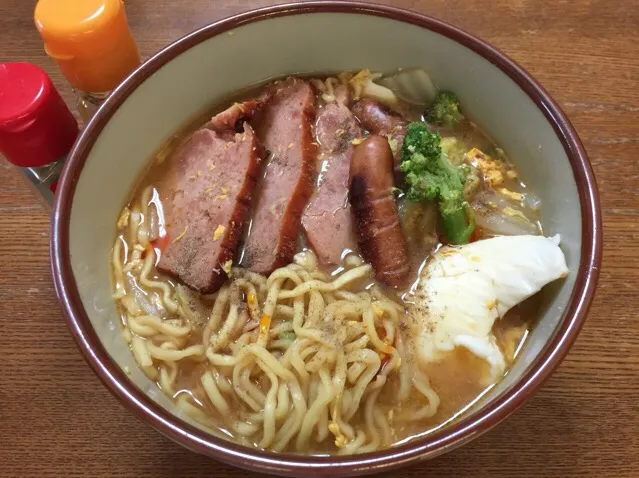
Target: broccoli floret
[(430, 176), (445, 110)]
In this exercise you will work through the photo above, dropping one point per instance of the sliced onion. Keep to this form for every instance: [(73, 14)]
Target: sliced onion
[(154, 223), (195, 310), (531, 201), (143, 300), (495, 215), (500, 224)]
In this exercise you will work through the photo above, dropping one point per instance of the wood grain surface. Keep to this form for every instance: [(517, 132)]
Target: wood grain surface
[(56, 419)]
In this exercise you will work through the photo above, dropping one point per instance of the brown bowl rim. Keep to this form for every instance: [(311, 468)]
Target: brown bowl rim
[(303, 465)]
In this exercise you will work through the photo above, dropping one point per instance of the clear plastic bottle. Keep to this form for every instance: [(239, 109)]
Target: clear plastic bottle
[(37, 130), (91, 42)]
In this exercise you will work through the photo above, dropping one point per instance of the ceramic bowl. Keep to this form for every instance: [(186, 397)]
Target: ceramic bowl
[(208, 65)]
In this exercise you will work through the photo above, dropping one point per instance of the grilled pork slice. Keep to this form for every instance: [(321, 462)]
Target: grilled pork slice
[(208, 193)]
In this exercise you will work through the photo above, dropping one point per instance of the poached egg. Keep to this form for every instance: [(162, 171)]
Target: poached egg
[(464, 289)]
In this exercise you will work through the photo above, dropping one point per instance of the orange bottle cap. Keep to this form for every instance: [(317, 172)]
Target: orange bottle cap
[(90, 41)]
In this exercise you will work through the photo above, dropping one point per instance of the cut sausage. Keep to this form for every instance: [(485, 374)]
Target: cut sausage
[(327, 219), (285, 128), (379, 234), (206, 196), (378, 119)]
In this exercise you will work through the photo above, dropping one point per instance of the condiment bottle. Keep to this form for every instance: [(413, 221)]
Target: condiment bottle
[(37, 130), (91, 42)]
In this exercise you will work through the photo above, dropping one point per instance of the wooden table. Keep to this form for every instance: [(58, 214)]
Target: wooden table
[(56, 419)]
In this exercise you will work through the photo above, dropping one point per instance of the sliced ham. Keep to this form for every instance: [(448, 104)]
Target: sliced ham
[(238, 113), (285, 129), (206, 196), (327, 219)]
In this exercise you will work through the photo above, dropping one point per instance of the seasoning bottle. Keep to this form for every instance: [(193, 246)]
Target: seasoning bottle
[(37, 130), (91, 42)]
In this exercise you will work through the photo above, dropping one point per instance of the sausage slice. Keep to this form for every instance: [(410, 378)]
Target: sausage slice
[(375, 216)]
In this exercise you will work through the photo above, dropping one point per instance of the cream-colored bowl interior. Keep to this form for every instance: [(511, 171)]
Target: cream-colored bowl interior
[(306, 43)]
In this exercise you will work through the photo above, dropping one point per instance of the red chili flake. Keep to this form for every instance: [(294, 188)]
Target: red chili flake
[(160, 243)]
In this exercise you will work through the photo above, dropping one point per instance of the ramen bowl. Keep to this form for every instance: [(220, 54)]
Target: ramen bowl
[(208, 65)]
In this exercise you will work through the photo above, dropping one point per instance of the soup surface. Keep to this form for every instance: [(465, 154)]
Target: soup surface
[(330, 265)]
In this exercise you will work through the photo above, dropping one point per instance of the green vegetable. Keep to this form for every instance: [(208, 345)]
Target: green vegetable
[(290, 335), (430, 176), (445, 111)]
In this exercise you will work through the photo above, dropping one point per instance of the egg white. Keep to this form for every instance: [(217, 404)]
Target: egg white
[(463, 290)]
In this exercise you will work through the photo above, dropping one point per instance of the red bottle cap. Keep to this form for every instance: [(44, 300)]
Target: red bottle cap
[(36, 127)]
